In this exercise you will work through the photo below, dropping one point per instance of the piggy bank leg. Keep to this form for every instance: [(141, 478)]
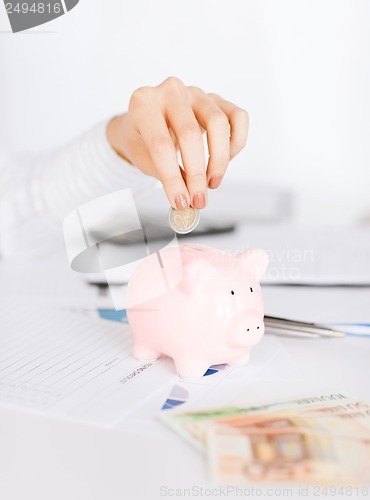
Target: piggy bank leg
[(241, 361), (190, 368), (142, 353)]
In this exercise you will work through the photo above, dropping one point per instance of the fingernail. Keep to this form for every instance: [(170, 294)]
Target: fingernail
[(199, 200), (181, 202), (215, 181)]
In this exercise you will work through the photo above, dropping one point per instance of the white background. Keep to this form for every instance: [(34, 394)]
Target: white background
[(301, 69)]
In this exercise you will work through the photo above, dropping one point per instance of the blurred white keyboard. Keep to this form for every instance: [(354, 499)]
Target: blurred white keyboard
[(298, 256)]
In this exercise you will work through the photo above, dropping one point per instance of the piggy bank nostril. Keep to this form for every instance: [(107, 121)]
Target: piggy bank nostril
[(254, 328)]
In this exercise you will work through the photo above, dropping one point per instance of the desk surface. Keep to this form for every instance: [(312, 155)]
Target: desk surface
[(43, 458)]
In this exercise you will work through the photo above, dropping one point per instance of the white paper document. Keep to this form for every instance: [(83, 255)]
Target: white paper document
[(303, 255), (270, 366), (72, 366)]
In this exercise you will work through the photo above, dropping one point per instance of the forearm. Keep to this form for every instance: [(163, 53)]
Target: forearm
[(38, 192)]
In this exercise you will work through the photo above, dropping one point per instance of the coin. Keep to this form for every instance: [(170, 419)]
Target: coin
[(183, 221)]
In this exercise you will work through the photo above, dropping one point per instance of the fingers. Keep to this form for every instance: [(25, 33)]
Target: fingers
[(239, 123), (151, 124), (186, 129), (217, 127), (170, 116)]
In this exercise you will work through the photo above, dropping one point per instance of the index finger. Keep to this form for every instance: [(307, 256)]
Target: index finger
[(153, 129)]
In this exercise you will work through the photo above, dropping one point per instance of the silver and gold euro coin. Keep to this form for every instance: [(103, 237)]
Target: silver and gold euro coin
[(183, 221)]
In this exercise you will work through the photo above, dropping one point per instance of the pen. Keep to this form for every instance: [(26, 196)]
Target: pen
[(287, 332), (284, 326)]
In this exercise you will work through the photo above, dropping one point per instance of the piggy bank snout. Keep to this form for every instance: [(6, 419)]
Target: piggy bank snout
[(248, 330), (253, 324)]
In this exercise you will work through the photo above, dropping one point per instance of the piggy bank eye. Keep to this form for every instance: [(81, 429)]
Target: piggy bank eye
[(232, 292), (251, 289)]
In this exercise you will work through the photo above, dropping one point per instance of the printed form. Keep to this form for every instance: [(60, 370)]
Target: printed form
[(73, 366)]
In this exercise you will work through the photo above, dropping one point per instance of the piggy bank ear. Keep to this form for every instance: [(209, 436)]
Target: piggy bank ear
[(195, 274), (254, 261)]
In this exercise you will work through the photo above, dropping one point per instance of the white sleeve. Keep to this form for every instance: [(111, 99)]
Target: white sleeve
[(37, 192)]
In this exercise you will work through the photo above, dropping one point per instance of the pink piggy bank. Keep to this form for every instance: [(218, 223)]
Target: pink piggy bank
[(198, 305)]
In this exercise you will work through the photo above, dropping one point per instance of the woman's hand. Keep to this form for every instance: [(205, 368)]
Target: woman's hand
[(161, 120)]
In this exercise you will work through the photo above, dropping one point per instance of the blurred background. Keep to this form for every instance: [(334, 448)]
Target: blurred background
[(301, 69)]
